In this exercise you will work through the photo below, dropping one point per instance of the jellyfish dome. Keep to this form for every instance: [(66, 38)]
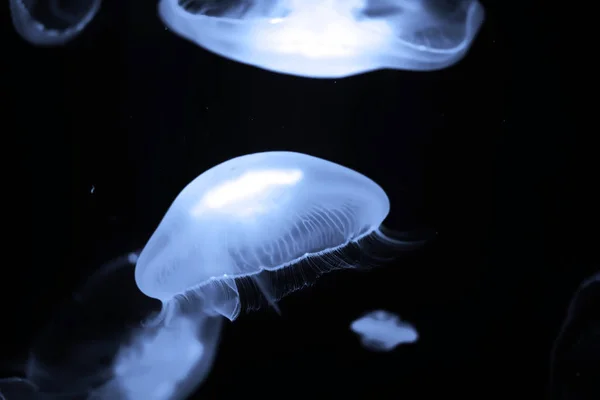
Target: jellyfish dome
[(260, 212), (329, 38)]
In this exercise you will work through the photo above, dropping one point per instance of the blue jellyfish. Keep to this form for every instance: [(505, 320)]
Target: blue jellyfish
[(52, 22), (97, 346), (276, 220), (167, 363), (575, 355), (329, 38), (18, 389), (383, 331)]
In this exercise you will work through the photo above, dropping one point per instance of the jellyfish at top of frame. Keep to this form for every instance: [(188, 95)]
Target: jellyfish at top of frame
[(277, 219), (383, 331), (329, 38), (97, 346), (52, 22)]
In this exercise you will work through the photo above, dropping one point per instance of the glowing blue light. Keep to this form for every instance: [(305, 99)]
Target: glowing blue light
[(383, 331), (259, 216), (329, 38), (96, 347)]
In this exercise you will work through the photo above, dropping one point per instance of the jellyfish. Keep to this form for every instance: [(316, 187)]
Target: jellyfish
[(383, 331), (52, 22), (329, 38), (167, 363), (16, 388), (575, 355), (97, 346), (267, 223)]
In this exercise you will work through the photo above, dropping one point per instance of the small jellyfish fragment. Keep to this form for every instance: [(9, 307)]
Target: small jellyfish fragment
[(383, 331), (52, 22), (279, 219), (97, 346), (329, 38), (575, 355)]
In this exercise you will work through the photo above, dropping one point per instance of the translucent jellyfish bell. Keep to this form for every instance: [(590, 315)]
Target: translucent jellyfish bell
[(264, 212), (52, 22), (98, 348), (329, 38)]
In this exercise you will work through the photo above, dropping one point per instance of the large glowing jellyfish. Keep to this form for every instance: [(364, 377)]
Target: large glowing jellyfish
[(97, 347), (383, 331), (52, 22), (575, 356), (329, 38), (274, 220)]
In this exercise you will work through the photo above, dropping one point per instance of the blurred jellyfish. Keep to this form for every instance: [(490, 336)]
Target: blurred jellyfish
[(271, 221), (18, 389), (575, 356), (97, 348), (383, 331), (167, 363), (52, 22), (329, 38)]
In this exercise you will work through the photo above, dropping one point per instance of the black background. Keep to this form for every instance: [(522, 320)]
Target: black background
[(482, 152)]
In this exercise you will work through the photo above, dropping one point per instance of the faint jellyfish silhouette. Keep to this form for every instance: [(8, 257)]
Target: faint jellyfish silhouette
[(329, 38), (52, 22), (97, 348), (273, 221), (575, 355), (383, 331), (18, 389)]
